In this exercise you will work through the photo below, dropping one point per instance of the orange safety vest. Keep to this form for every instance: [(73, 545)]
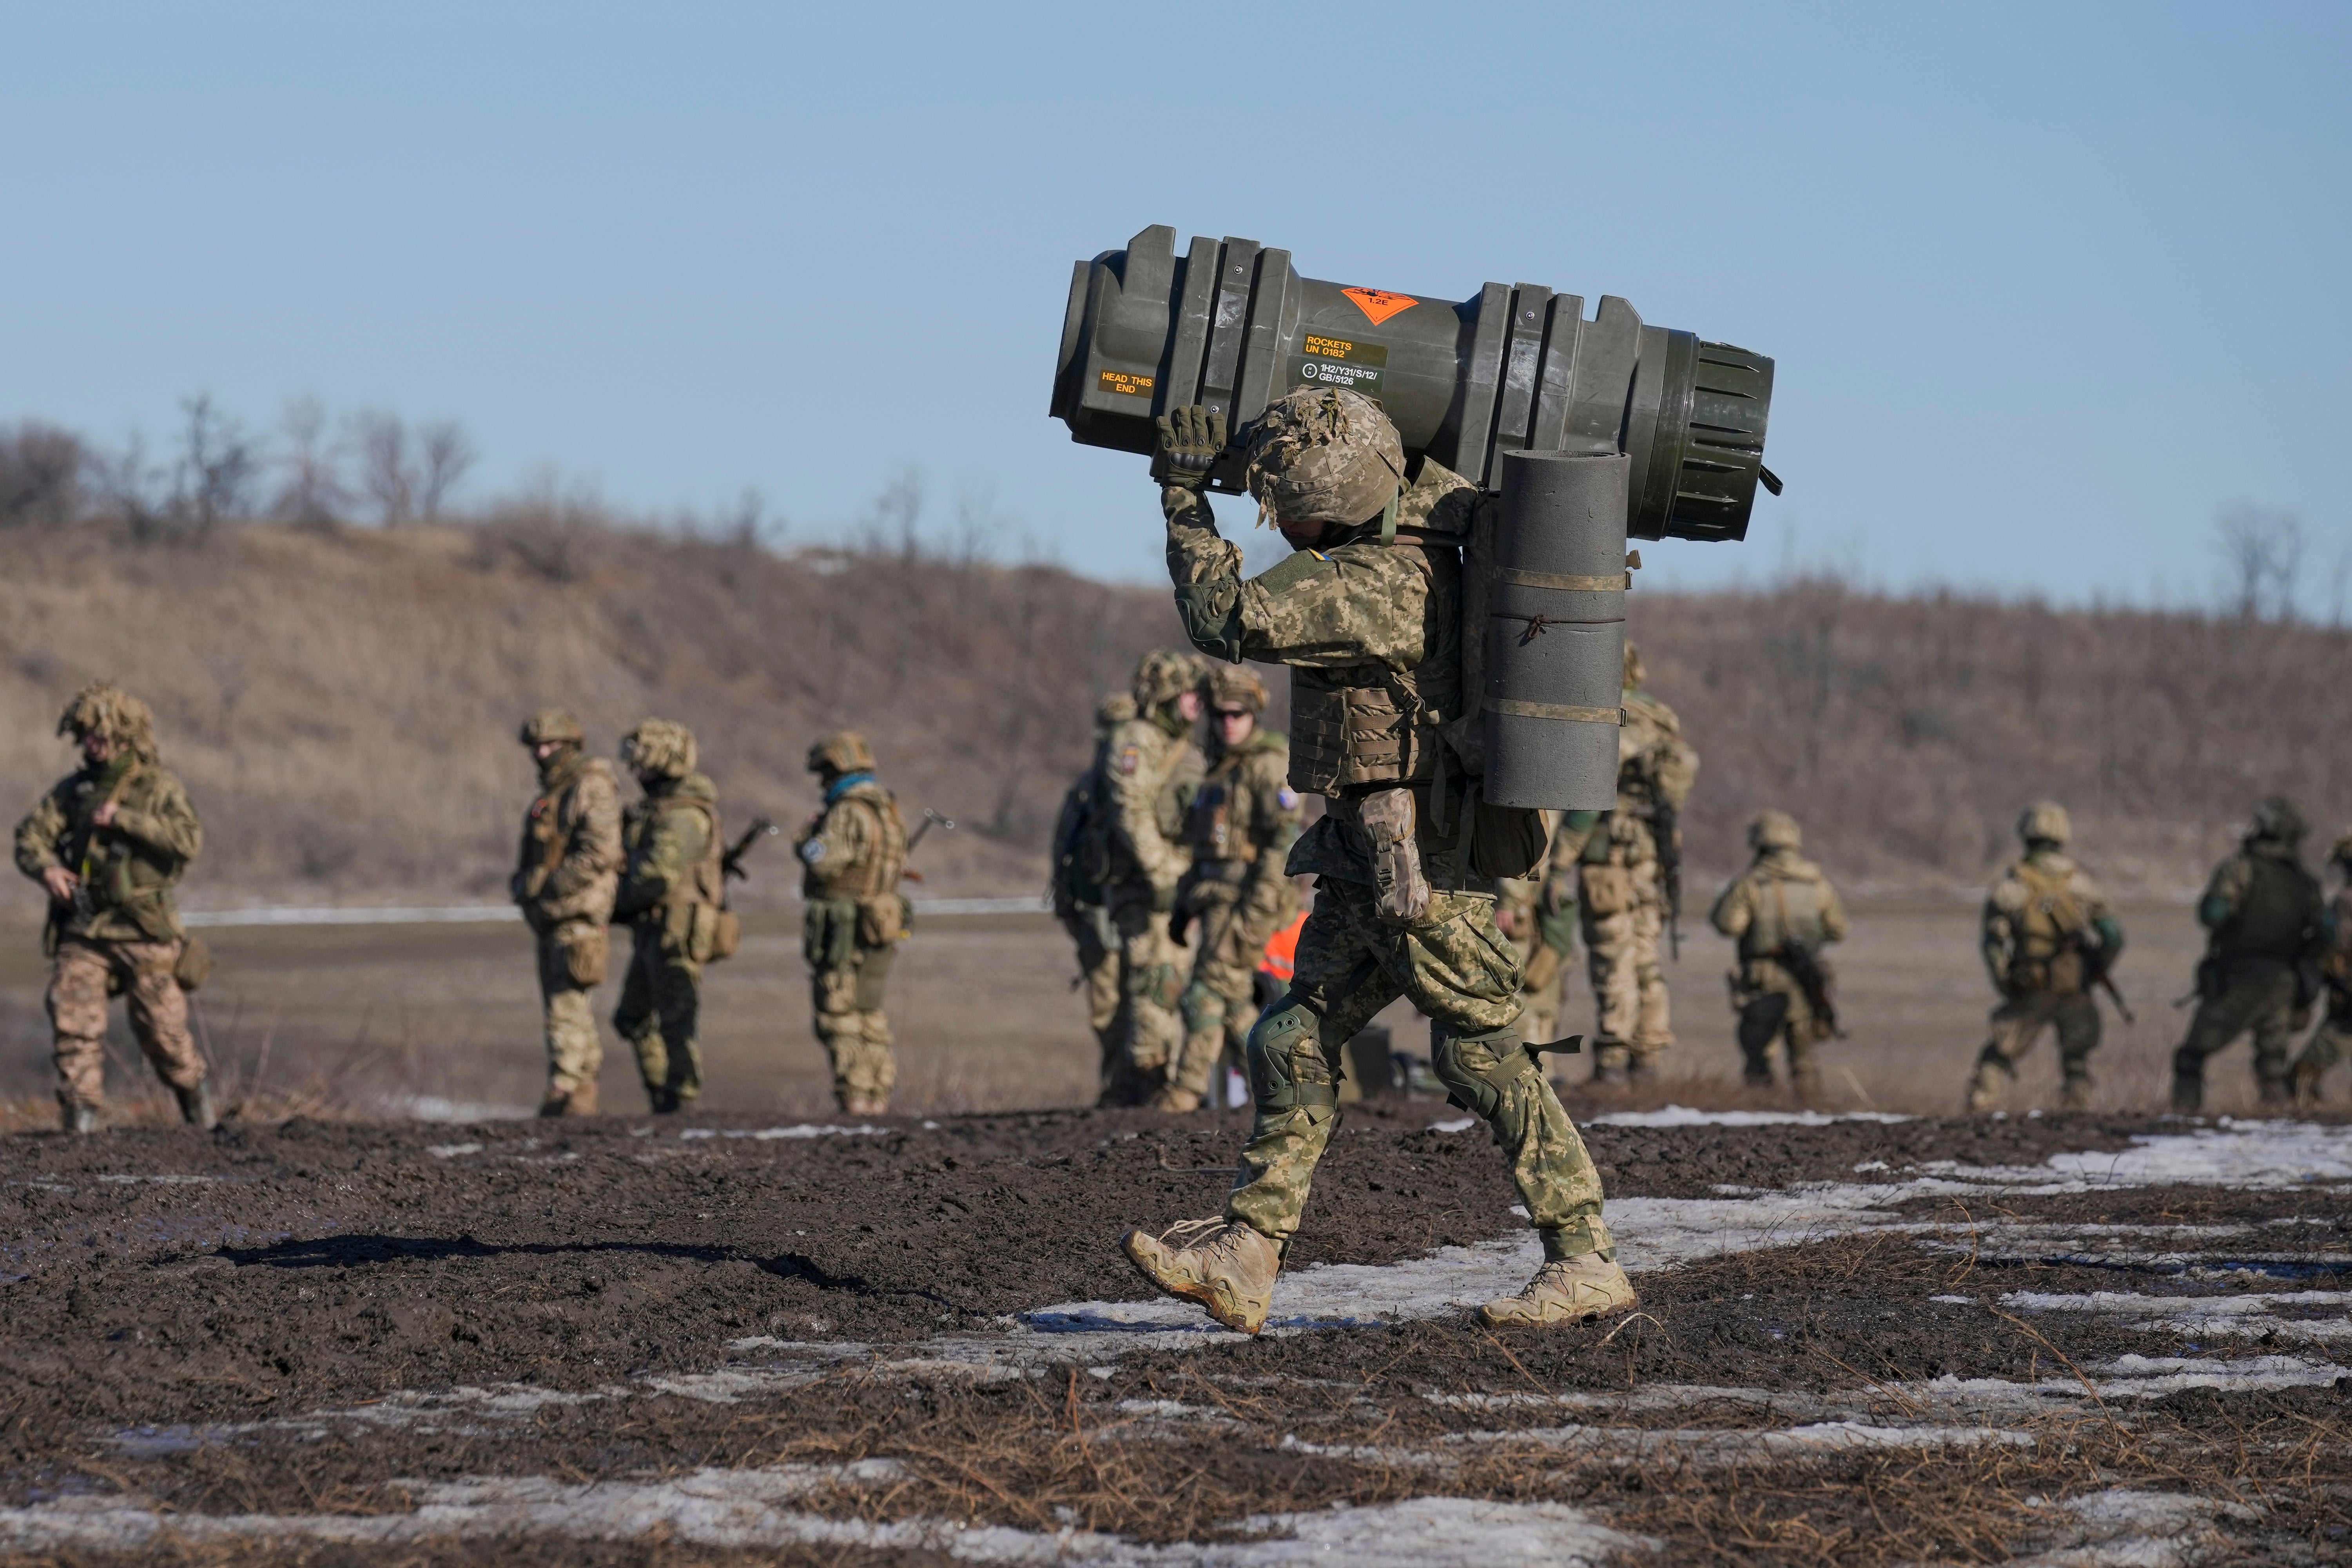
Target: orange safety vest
[(1281, 960)]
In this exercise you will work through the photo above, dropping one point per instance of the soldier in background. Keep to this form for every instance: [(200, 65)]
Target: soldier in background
[(1782, 911), (670, 894), (2263, 914), (853, 854), (1539, 914), (1624, 886), (1235, 895), (1078, 892), (107, 844), (1151, 769), (567, 871), (2049, 936), (2332, 1041)]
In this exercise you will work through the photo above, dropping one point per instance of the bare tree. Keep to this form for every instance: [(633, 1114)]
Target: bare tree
[(41, 470), (388, 474), (311, 490), (2263, 561), (217, 468), (447, 453)]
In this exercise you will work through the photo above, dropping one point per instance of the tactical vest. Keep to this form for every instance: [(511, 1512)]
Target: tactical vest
[(879, 872), (1370, 724), (1222, 820), (1786, 910), (704, 881), (2048, 956), (2274, 922), (547, 827)]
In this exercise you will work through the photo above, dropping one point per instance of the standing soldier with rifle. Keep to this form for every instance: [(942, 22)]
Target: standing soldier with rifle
[(1539, 914), (673, 893), (1236, 894), (854, 854), (1782, 911), (1080, 868), (2332, 1041), (107, 843), (567, 872), (1150, 770), (2050, 939), (1632, 885), (2264, 914)]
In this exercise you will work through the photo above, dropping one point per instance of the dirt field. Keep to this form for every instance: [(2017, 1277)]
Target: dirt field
[(396, 1018), (732, 1340)]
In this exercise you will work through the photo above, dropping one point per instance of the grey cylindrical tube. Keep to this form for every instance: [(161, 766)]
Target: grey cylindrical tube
[(1556, 642)]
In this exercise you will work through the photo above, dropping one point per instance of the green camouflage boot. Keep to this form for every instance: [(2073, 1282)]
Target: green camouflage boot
[(2075, 1093), (1228, 1267), (1567, 1291), (1986, 1084)]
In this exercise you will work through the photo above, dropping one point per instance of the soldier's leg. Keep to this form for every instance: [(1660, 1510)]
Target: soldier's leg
[(877, 1064), (1098, 977), (575, 1053), (678, 998), (1616, 990), (78, 1023), (1652, 1024), (1800, 1032), (1215, 928), (1462, 973), (2327, 1047), (1539, 992), (2219, 1020), (2273, 1023), (1151, 1031), (2078, 1035), (1293, 1053), (158, 1011), (2015, 1025), (1760, 1021), (637, 1019)]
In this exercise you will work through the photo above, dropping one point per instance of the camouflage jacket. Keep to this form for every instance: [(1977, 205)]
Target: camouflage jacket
[(856, 846), (2039, 919), (1782, 897), (128, 868), (2263, 906), (1149, 774), (671, 841), (569, 866), (1654, 763), (1243, 822)]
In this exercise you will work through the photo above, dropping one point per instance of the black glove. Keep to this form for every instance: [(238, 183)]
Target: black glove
[(1192, 439)]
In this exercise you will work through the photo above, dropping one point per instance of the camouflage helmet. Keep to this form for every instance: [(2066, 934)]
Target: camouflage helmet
[(1229, 685), (2275, 817), (105, 710), (1114, 711), (559, 725), (1164, 675), (1323, 455), (1634, 669), (1775, 830), (660, 747), (842, 752), (2045, 822)]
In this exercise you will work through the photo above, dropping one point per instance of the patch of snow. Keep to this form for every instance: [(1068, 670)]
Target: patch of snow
[(1684, 1116), (1459, 1124), (451, 1151), (802, 1130)]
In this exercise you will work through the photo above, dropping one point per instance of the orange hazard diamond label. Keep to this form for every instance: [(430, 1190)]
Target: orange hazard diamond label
[(1379, 304)]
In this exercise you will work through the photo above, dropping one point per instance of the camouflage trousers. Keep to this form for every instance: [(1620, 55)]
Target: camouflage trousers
[(81, 977), (1544, 989), (1459, 970), (1229, 934), (1629, 984), (2257, 1000), (660, 1001), (2017, 1023), (2330, 1044), (852, 1026), (575, 1053), (1150, 1031), (1773, 1008), (1098, 944)]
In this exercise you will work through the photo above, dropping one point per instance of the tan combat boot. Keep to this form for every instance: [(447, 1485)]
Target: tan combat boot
[(1228, 1267), (1566, 1292), (2307, 1083), (853, 1106), (2075, 1094), (1171, 1098)]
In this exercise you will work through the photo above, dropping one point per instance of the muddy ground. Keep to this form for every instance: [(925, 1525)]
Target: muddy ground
[(732, 1340)]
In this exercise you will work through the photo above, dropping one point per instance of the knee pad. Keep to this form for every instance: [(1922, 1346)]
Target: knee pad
[(1286, 1068), (1203, 1008), (1477, 1069)]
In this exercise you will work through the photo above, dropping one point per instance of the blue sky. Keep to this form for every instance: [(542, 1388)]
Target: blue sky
[(2050, 286)]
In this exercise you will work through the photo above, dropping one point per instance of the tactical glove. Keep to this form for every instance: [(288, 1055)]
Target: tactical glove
[(1192, 439)]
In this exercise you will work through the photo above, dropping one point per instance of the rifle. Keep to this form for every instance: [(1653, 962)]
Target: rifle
[(1805, 969), (2096, 978), (1670, 869), (731, 863), (930, 816)]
